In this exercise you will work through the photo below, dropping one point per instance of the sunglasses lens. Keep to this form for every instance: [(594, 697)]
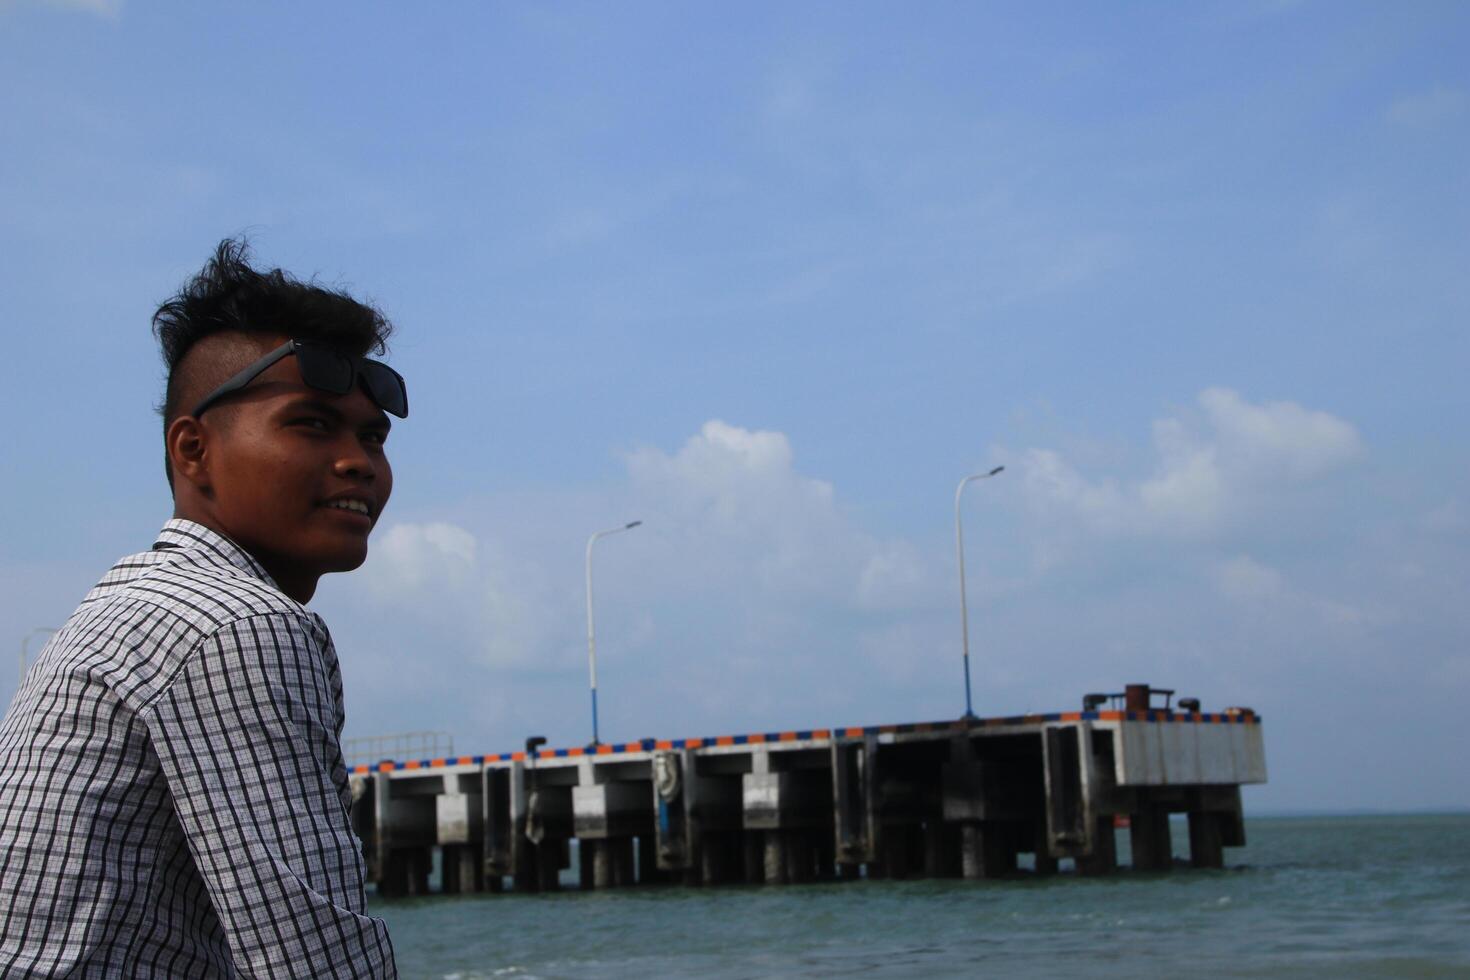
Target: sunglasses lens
[(325, 370), (386, 387)]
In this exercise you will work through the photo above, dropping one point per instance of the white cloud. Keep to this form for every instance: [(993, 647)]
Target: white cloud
[(1277, 437), (895, 576), (736, 542), (1188, 492), (480, 608), (744, 561), (409, 558), (1210, 465), (1052, 481), (723, 460), (1247, 582), (737, 494)]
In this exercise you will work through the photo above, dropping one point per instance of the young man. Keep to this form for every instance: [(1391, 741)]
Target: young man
[(173, 798)]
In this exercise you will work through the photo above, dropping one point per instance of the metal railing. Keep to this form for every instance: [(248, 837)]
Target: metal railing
[(370, 749)]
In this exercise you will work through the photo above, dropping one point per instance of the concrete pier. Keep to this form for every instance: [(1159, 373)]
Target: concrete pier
[(948, 799), (1148, 834)]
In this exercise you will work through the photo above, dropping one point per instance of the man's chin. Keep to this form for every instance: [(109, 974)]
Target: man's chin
[(347, 562), (341, 556)]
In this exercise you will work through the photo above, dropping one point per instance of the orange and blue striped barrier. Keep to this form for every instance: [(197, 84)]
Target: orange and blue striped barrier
[(1234, 716)]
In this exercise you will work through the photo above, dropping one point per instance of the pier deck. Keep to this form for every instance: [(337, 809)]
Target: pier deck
[(943, 799)]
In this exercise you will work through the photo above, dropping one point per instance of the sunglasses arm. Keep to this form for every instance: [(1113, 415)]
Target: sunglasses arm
[(243, 377)]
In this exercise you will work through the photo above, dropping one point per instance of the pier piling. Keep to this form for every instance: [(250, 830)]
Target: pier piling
[(1148, 834)]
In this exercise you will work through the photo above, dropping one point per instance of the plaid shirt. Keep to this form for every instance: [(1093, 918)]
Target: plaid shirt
[(173, 800)]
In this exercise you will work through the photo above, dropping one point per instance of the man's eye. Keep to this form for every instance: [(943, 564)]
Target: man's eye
[(312, 422), (375, 438)]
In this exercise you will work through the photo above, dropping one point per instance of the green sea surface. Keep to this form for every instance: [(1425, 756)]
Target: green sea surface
[(1358, 896)]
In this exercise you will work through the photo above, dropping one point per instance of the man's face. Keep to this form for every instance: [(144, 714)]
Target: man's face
[(297, 476)]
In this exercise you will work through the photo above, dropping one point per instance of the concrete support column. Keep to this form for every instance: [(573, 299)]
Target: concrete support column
[(850, 802), (972, 850), (1000, 850), (774, 872), (422, 861), (648, 872), (740, 860), (877, 869), (933, 849), (753, 856), (800, 859), (1148, 831), (407, 872), (472, 868), (391, 878), (623, 865), (381, 852), (897, 852), (603, 872), (1206, 847), (1104, 857), (987, 850), (825, 847), (461, 869), (711, 861), (1045, 863), (548, 865), (586, 872), (941, 850), (449, 869), (527, 878)]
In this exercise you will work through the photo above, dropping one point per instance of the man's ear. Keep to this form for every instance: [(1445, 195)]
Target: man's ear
[(187, 442)]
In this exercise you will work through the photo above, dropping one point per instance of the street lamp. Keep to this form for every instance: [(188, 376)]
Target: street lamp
[(959, 547), (25, 647), (591, 635)]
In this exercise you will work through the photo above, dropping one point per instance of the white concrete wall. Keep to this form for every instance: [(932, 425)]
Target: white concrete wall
[(1172, 753)]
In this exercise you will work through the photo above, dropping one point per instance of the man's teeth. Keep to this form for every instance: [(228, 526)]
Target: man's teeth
[(353, 505)]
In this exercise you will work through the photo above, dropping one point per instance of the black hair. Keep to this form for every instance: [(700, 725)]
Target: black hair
[(229, 295)]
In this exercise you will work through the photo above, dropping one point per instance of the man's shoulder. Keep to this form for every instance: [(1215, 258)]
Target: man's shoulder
[(153, 610), (195, 589)]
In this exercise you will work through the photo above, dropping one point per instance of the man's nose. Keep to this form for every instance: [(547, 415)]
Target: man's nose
[(353, 460)]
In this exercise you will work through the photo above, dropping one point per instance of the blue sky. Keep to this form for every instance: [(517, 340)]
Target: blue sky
[(772, 278)]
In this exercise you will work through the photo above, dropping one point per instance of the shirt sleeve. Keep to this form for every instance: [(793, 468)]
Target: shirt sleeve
[(247, 738)]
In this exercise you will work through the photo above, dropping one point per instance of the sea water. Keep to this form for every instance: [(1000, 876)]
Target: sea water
[(1359, 896)]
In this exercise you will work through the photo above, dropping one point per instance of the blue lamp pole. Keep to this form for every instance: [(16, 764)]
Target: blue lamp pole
[(591, 633), (959, 547)]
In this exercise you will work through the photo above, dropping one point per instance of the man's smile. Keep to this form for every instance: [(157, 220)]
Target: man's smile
[(354, 504)]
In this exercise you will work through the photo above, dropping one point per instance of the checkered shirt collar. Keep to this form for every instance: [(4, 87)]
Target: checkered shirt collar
[(189, 536)]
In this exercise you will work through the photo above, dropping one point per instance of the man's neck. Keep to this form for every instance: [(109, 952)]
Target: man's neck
[(287, 576)]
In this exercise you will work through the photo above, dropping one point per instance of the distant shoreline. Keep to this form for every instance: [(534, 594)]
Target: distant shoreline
[(1296, 813)]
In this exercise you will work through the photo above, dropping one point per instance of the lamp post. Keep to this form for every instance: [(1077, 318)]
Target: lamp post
[(591, 634), (25, 647), (959, 547)]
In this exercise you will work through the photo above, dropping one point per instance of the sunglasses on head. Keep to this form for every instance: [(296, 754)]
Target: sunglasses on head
[(326, 370)]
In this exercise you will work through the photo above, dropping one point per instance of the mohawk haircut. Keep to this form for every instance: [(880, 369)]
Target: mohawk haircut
[(230, 295)]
